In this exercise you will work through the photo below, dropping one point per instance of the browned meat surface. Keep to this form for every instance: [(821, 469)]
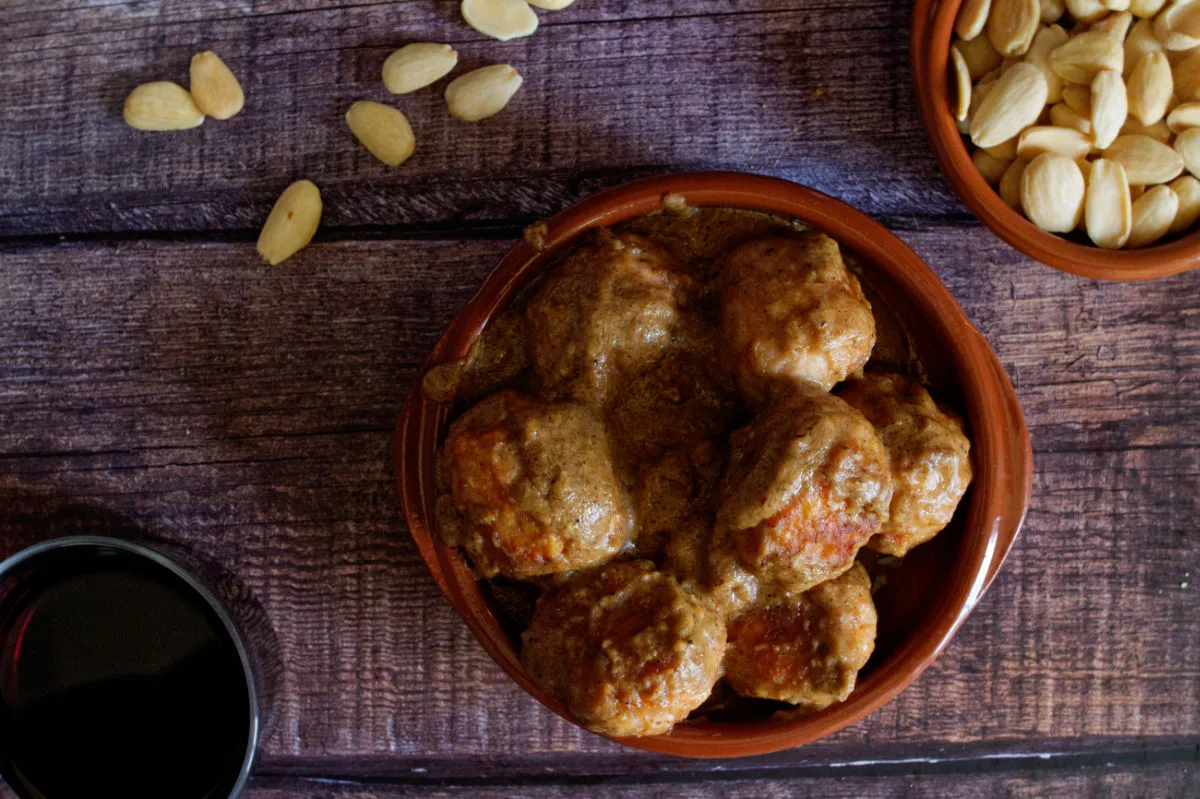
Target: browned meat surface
[(611, 308), (790, 309), (808, 484), (806, 648), (929, 453), (530, 488), (626, 649)]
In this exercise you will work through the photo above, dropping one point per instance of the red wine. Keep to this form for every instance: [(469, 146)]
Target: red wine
[(117, 679)]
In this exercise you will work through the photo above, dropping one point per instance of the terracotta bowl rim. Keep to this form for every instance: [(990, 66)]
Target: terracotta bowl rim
[(998, 500), (932, 33)]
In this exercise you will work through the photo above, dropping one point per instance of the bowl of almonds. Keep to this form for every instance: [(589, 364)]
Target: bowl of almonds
[(1071, 128)]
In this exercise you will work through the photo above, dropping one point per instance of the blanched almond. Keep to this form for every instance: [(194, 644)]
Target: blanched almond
[(1109, 107), (1158, 130), (1187, 144), (1146, 8), (1147, 161), (1012, 25), (1153, 214), (551, 5), (1136, 191), (1010, 184), (292, 223), (1082, 56), (1187, 189), (500, 19), (415, 66), (383, 130), (1187, 79), (990, 167), (1150, 87), (1052, 11), (1078, 99), (1184, 116), (1052, 193), (980, 56), (1116, 5), (1012, 105), (483, 93), (1178, 25), (1108, 215), (1064, 116), (162, 105), (1039, 55), (1040, 139), (1176, 56), (1005, 151), (972, 16), (214, 88), (1141, 40), (961, 77), (1087, 10), (1115, 25)]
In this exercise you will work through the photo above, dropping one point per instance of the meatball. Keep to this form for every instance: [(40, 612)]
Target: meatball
[(675, 491), (808, 484), (611, 307), (791, 310), (806, 648), (529, 488), (627, 650), (929, 452)]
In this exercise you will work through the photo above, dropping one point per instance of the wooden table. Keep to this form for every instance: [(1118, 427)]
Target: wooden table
[(156, 378)]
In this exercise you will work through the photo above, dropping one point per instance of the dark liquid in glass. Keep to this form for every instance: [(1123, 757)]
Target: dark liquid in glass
[(117, 680)]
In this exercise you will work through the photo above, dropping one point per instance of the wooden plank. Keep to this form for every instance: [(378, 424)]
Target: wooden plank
[(247, 411), (812, 91)]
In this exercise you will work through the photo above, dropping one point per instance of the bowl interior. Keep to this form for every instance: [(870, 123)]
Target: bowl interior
[(932, 34), (920, 604)]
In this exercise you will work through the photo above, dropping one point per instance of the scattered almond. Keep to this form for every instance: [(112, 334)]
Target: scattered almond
[(1040, 139), (214, 88), (483, 93), (1109, 107), (292, 223), (415, 66), (979, 54), (1184, 116), (1153, 214), (383, 130), (162, 105), (1108, 216), (500, 19), (1081, 57), (962, 84), (1012, 24), (1187, 189), (550, 5), (972, 16), (1012, 105), (1052, 193), (1146, 160)]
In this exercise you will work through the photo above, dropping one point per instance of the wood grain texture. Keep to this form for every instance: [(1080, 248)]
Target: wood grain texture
[(247, 412), (813, 91)]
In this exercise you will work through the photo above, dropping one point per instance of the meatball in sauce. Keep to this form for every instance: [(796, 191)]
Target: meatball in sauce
[(626, 649), (929, 453), (530, 488)]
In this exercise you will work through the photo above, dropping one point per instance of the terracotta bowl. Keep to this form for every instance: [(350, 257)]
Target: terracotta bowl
[(929, 48), (923, 602)]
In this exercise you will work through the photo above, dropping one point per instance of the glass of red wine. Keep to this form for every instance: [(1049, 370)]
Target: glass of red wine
[(121, 675)]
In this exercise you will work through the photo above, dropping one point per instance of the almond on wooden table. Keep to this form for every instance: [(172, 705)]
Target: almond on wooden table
[(417, 65), (214, 87), (551, 5), (500, 19), (292, 224), (383, 130), (162, 105), (483, 93)]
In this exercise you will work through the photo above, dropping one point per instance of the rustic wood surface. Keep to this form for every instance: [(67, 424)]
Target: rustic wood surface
[(156, 380)]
